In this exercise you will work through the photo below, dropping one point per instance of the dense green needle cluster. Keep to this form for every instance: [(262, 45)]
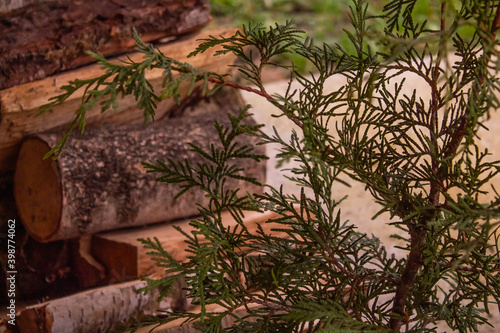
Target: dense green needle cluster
[(416, 152)]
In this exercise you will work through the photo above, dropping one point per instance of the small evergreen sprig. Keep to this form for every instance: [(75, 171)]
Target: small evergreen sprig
[(416, 153)]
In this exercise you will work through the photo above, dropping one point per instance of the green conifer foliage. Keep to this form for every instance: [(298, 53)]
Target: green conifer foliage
[(416, 153)]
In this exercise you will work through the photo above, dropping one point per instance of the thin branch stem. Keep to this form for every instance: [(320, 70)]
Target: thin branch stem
[(418, 231), (415, 261), (261, 92)]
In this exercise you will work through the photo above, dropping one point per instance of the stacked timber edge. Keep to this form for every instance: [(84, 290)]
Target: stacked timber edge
[(99, 183), (98, 310), (42, 38), (20, 105)]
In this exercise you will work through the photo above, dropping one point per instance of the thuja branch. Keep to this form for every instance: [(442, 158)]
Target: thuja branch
[(461, 131), (402, 148), (418, 229)]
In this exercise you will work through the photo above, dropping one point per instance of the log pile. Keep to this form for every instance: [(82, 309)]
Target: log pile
[(19, 105), (99, 183), (78, 263)]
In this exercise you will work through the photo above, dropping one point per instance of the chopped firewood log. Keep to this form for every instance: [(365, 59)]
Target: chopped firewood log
[(19, 105), (96, 310), (125, 258), (99, 183), (47, 37), (103, 309)]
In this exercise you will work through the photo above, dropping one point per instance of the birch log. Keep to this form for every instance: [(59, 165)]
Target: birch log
[(101, 310), (98, 310), (99, 183)]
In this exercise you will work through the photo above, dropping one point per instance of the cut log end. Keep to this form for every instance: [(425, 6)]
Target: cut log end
[(39, 206)]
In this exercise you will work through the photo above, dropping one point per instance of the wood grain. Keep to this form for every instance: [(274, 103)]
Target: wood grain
[(125, 257)]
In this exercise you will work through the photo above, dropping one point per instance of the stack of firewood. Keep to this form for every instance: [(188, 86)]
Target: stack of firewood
[(78, 262)]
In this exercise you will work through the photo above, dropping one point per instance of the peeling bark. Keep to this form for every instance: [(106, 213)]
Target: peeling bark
[(44, 38)]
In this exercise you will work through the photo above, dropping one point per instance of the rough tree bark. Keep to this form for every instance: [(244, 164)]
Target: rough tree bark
[(7, 5), (99, 183), (44, 38), (102, 309)]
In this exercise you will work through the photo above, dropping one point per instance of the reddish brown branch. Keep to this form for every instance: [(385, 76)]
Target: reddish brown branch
[(417, 232), (496, 23), (435, 185), (415, 261), (443, 19), (272, 306), (238, 86), (261, 92)]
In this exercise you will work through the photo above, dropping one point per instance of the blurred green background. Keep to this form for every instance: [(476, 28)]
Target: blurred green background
[(323, 20)]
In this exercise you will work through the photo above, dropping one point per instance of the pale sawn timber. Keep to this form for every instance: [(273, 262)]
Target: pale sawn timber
[(125, 257), (98, 183)]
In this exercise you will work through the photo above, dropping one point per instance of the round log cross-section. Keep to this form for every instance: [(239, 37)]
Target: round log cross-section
[(38, 189), (99, 182)]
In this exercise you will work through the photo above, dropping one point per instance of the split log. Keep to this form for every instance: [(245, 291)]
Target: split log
[(44, 38), (99, 183), (97, 310), (19, 105), (89, 272), (125, 258)]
